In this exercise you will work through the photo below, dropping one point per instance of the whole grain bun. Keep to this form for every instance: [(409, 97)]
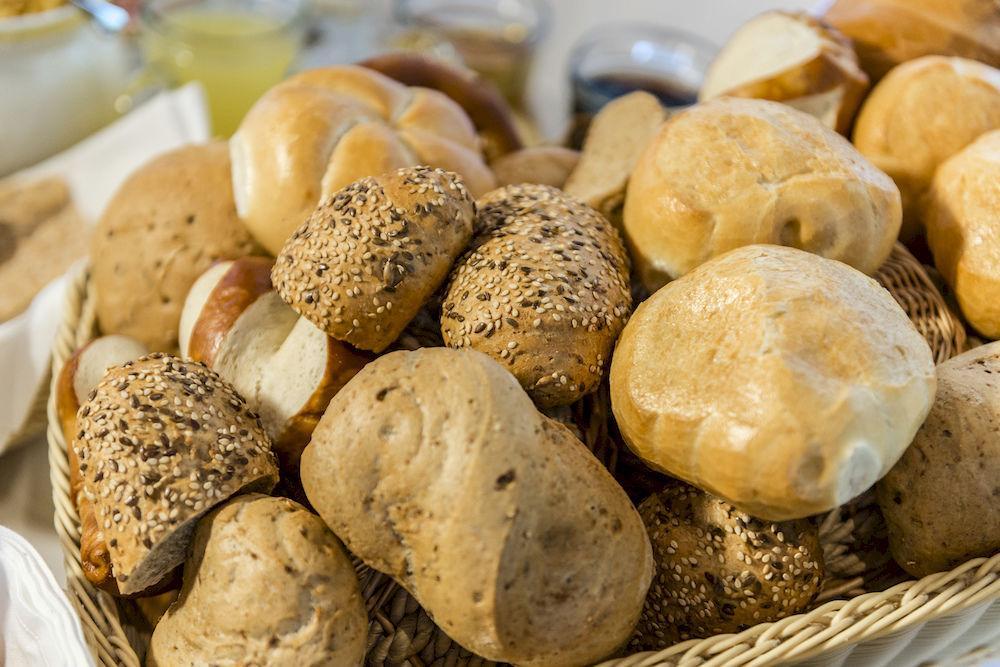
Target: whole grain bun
[(794, 58), (161, 442), (267, 584), (962, 215), (368, 258), (919, 115), (719, 570), (889, 32), (543, 290), (323, 129), (781, 381), (169, 221), (434, 467), (940, 500), (544, 165), (734, 172)]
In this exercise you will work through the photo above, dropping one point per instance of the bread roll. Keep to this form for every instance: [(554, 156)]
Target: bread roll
[(369, 257), (919, 115), (287, 369), (734, 172), (267, 584), (783, 382), (939, 500), (544, 165), (719, 570), (167, 223), (889, 32), (543, 290), (323, 129), (962, 214), (161, 442), (793, 58), (434, 467)]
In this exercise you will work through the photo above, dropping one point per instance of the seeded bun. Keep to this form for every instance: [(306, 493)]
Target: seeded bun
[(545, 165), (781, 381), (161, 441), (543, 290), (368, 258), (295, 603), (940, 500), (165, 226), (719, 570), (434, 467)]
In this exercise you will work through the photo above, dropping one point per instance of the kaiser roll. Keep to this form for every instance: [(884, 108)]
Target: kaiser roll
[(370, 256), (734, 172), (543, 290), (434, 467), (962, 214), (267, 584), (161, 441), (323, 129), (781, 381), (167, 223), (919, 115)]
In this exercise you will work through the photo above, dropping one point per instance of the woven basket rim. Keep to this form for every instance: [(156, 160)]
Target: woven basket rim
[(833, 625)]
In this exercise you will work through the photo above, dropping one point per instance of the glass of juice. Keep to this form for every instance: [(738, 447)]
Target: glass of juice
[(497, 38), (237, 49)]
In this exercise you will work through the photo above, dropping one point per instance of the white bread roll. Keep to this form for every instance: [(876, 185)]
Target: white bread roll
[(267, 584), (793, 58), (783, 382), (322, 129), (962, 214), (733, 172), (434, 467), (919, 115)]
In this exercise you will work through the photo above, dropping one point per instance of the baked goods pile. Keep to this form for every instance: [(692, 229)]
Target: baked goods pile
[(347, 340)]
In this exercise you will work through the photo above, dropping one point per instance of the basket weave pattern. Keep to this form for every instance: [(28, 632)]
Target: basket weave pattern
[(904, 622)]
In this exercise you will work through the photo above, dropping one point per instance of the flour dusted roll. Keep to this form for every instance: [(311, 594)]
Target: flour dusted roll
[(781, 381), (732, 172), (434, 467)]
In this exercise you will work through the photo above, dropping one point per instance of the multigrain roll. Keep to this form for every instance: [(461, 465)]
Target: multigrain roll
[(295, 603), (368, 258), (434, 467), (919, 115), (733, 172), (719, 570), (161, 441), (781, 381), (543, 290), (962, 215)]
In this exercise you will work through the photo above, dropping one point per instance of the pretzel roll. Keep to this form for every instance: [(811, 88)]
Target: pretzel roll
[(322, 129)]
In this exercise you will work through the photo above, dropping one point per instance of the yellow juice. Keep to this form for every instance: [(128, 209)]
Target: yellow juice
[(236, 56)]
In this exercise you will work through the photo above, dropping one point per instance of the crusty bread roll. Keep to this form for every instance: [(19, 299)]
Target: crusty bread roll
[(288, 370), (544, 165), (781, 381), (323, 129), (267, 584), (889, 32), (434, 467), (940, 500), (919, 115), (162, 441), (167, 223), (719, 570), (543, 290), (370, 256), (734, 172), (794, 58), (962, 215)]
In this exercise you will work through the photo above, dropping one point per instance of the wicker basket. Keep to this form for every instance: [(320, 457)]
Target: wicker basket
[(902, 622)]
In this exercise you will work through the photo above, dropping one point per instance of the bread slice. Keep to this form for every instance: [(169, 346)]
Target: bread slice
[(793, 58)]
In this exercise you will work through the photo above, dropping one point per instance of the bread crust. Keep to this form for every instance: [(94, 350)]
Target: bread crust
[(544, 165)]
